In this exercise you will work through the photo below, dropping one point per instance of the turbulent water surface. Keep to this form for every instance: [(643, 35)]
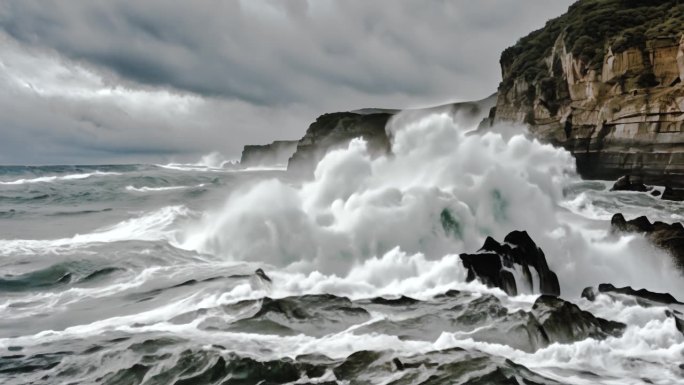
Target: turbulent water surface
[(149, 274)]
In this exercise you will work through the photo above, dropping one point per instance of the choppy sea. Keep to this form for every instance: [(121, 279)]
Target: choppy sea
[(206, 274)]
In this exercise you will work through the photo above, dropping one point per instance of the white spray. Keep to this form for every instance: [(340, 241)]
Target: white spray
[(442, 191)]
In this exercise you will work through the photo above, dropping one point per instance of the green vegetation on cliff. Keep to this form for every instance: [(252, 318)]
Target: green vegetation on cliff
[(591, 27)]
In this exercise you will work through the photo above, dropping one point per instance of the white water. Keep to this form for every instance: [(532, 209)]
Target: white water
[(210, 162), (151, 227), (53, 178), (357, 207), (145, 189)]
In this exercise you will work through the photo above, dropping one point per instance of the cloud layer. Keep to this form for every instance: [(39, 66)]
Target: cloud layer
[(95, 81)]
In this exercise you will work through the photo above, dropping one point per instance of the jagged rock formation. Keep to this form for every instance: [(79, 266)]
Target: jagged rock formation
[(494, 262), (643, 296), (336, 130), (667, 236), (629, 183), (604, 81), (276, 153)]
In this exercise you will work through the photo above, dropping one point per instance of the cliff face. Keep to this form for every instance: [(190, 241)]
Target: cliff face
[(276, 153), (336, 130), (616, 100)]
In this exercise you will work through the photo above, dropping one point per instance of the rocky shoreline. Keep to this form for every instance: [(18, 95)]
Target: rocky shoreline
[(615, 102)]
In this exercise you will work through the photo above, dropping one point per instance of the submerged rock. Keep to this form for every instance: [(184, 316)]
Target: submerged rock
[(261, 274), (316, 315), (627, 183), (495, 262), (565, 322), (667, 236), (449, 366), (401, 301), (661, 298)]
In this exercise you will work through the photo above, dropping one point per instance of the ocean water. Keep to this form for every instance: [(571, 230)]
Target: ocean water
[(203, 274)]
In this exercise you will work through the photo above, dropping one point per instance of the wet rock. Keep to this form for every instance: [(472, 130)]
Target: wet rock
[(315, 315), (356, 364), (449, 366), (401, 301), (494, 261), (260, 273), (629, 183), (679, 323), (661, 298), (656, 193), (451, 293), (667, 236), (398, 364), (565, 322), (671, 194), (639, 224), (589, 293)]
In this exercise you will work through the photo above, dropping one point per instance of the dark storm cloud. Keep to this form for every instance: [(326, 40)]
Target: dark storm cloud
[(265, 67)]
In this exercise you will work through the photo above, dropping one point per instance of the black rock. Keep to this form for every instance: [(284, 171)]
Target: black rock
[(312, 314), (667, 236), (589, 293), (671, 194), (565, 322), (664, 298), (655, 193), (640, 224), (401, 301), (490, 265), (260, 273), (398, 364), (679, 323), (629, 183)]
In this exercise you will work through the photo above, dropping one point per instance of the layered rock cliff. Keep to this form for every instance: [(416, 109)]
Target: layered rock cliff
[(274, 154), (604, 81)]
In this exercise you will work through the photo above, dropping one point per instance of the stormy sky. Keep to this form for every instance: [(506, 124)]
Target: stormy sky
[(114, 81)]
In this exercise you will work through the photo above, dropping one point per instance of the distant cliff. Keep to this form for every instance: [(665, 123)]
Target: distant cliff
[(604, 81), (276, 153), (335, 130)]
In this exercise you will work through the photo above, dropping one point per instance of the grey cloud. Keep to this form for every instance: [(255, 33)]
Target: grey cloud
[(234, 50), (257, 69)]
